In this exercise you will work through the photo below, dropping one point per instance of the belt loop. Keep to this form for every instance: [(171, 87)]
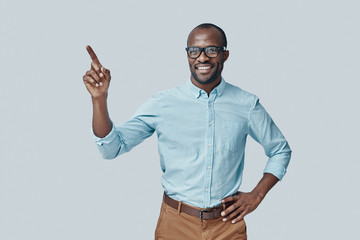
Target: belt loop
[(179, 207)]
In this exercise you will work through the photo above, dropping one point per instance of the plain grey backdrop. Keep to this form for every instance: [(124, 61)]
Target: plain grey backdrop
[(301, 58)]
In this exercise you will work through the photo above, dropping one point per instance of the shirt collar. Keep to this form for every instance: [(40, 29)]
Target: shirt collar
[(196, 92)]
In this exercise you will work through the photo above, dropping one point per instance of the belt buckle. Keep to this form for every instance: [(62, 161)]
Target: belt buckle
[(201, 211)]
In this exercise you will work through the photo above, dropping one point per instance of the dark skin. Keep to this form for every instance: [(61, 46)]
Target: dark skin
[(97, 81), (245, 203), (206, 75), (200, 78)]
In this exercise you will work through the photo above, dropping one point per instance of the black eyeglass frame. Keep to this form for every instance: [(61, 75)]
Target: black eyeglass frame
[(222, 48)]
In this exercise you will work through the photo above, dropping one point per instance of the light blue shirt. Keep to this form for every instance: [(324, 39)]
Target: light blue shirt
[(201, 140)]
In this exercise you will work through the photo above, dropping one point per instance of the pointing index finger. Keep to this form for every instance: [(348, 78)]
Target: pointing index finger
[(92, 54)]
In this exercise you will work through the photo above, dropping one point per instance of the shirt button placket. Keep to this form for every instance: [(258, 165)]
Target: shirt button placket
[(210, 152)]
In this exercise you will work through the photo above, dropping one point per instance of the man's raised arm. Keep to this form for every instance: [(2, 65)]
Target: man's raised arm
[(97, 81)]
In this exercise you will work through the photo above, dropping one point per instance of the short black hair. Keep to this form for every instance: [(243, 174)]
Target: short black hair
[(210, 25)]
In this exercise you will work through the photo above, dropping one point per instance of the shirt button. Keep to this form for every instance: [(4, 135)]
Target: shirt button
[(207, 189), (209, 167), (210, 145), (210, 124)]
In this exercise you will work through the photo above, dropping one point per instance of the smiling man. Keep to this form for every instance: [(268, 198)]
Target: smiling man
[(202, 128), (206, 68)]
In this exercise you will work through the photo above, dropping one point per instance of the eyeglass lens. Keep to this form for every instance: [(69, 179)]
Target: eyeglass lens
[(194, 52)]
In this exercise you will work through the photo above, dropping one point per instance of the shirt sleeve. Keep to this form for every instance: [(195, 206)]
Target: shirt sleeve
[(126, 136), (263, 130)]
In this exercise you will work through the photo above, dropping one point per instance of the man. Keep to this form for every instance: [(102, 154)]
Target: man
[(202, 127)]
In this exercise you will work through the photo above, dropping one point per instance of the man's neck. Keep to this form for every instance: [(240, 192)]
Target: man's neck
[(206, 87)]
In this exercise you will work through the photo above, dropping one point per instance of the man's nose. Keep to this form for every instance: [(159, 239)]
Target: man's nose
[(203, 57)]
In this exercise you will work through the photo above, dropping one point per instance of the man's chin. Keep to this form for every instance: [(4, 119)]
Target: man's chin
[(204, 80)]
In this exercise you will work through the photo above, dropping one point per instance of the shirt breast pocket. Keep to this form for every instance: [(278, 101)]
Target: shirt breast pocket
[(230, 134)]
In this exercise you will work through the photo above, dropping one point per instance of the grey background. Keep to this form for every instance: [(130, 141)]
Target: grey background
[(301, 58)]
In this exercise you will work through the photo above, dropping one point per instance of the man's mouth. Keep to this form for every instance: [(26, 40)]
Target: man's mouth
[(204, 69)]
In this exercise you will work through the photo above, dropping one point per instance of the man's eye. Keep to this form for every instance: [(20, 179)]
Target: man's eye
[(193, 50), (212, 50)]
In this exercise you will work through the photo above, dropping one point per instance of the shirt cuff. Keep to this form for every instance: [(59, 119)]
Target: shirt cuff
[(107, 139), (276, 169)]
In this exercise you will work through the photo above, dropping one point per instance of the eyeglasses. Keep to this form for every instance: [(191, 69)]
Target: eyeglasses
[(210, 51)]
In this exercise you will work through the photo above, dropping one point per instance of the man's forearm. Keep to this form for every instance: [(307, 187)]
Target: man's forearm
[(265, 184), (245, 203), (101, 122)]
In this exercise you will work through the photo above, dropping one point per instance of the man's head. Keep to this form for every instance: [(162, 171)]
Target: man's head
[(206, 68)]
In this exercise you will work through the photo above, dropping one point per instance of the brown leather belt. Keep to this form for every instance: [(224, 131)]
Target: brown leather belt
[(202, 213)]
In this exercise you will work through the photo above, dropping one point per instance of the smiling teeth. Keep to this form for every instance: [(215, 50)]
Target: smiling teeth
[(203, 68)]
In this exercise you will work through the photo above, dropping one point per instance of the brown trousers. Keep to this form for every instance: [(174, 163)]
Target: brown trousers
[(173, 225)]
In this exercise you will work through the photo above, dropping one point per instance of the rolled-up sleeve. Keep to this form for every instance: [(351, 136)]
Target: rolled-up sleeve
[(126, 136), (264, 131)]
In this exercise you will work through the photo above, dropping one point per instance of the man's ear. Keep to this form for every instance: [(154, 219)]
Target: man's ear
[(226, 55)]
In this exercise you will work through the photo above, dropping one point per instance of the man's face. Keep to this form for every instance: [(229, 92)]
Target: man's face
[(203, 69)]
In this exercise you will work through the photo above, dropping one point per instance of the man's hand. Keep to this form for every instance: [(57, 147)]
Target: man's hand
[(97, 79), (244, 203)]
